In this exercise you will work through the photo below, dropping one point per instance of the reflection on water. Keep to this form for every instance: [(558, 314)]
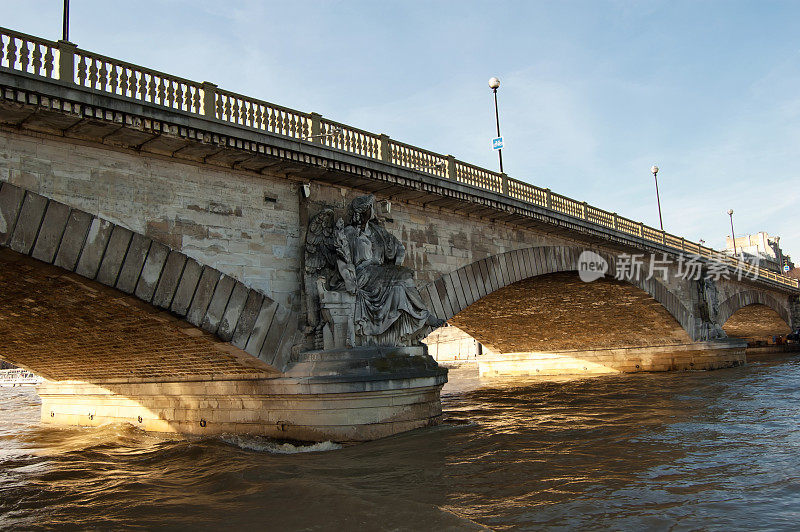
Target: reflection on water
[(710, 450)]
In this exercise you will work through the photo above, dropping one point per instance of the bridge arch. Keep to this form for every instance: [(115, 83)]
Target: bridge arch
[(754, 315), (70, 240), (745, 298), (453, 292)]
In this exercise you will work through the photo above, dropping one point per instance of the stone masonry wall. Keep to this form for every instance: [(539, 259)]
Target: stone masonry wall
[(218, 216), (251, 227)]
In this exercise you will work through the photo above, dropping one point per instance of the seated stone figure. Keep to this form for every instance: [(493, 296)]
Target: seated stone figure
[(366, 297)]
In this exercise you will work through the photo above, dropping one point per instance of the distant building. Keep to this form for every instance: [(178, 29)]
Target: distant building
[(451, 345), (766, 249)]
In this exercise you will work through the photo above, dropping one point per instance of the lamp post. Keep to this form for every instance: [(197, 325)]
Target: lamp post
[(494, 84), (733, 235), (654, 169), (65, 28)]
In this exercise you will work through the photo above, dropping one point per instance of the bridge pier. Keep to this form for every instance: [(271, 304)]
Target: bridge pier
[(347, 395)]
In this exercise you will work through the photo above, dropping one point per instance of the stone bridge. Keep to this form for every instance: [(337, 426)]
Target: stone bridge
[(151, 238)]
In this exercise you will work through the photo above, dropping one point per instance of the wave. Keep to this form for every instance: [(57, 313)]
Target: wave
[(254, 443)]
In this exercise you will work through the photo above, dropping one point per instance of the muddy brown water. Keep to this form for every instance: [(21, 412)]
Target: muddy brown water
[(715, 450)]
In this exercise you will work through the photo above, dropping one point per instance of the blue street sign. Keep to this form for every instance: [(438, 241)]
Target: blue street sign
[(786, 268), (497, 143)]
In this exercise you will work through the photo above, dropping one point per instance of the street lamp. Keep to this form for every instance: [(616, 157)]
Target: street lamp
[(733, 235), (654, 170), (494, 84)]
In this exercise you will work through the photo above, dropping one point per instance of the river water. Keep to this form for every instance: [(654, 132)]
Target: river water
[(713, 450)]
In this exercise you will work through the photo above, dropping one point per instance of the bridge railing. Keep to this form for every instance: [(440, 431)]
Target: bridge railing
[(69, 64), (119, 78), (29, 54)]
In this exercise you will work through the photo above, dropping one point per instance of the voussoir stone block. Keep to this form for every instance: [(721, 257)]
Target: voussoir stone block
[(11, 198), (170, 277), (219, 301), (261, 327), (115, 255), (28, 223), (284, 352), (151, 271), (202, 295), (94, 248), (186, 287), (230, 317), (247, 319), (73, 239), (134, 260), (276, 329), (53, 225)]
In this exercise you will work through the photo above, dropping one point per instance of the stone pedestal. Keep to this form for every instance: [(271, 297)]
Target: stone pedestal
[(337, 309), (341, 395)]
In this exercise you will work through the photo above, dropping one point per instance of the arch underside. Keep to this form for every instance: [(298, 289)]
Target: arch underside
[(756, 322), (746, 298), (559, 312), (455, 292), (65, 327), (536, 317), (63, 247)]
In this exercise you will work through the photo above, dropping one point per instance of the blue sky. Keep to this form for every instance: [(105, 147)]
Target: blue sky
[(593, 93)]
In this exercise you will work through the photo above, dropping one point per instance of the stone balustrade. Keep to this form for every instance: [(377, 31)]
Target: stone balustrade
[(66, 63)]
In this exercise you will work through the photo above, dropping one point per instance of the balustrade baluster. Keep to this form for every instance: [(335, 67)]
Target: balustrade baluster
[(48, 62), (259, 118), (37, 59), (141, 86), (179, 96), (102, 76), (152, 88), (161, 91), (269, 118), (235, 116), (124, 83), (113, 79), (11, 52), (226, 114), (24, 60), (81, 71), (170, 92), (93, 74), (196, 100)]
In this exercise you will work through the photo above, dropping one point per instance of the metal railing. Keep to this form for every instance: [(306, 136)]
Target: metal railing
[(67, 63)]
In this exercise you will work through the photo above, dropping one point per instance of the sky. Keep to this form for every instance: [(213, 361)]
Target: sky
[(592, 92)]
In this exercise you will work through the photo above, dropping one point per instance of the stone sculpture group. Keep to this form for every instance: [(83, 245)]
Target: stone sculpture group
[(364, 296)]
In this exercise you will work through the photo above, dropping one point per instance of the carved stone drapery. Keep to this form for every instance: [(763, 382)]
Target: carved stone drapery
[(363, 294)]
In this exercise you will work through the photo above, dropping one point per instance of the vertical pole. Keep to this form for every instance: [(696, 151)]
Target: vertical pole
[(733, 235), (497, 120), (65, 28), (658, 200)]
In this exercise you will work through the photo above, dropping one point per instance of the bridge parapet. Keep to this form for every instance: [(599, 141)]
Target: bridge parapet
[(32, 56)]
